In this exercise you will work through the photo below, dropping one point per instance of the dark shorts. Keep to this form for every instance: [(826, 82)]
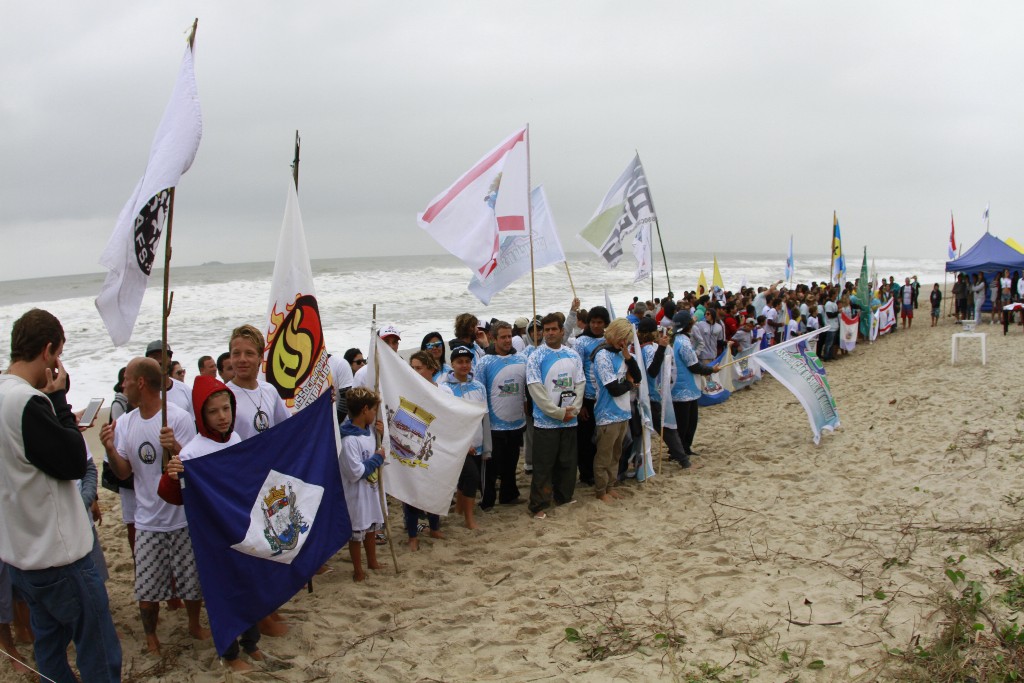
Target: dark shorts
[(469, 479)]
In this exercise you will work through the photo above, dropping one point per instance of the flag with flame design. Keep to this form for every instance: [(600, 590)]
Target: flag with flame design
[(295, 360)]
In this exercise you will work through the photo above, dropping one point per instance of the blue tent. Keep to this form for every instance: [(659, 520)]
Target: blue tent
[(988, 255)]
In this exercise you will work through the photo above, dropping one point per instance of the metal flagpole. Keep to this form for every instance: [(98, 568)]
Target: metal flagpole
[(377, 438), (295, 162)]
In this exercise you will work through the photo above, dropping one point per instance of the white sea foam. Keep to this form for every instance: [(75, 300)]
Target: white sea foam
[(419, 294)]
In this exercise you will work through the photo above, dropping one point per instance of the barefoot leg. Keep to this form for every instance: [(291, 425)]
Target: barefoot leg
[(355, 550), (195, 628), (150, 613)]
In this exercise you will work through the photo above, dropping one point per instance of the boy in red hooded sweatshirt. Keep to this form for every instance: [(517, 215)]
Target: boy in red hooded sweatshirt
[(214, 405)]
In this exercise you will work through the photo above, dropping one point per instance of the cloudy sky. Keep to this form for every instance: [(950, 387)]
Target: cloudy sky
[(754, 120)]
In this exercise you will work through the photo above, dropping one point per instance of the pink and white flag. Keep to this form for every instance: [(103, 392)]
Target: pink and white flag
[(490, 201)]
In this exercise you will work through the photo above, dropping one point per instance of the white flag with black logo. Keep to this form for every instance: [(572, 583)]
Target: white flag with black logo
[(625, 208), (132, 248)]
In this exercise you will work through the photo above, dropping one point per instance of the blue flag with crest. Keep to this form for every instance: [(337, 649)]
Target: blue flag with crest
[(264, 515)]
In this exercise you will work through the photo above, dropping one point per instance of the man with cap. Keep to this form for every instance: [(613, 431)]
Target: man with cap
[(518, 332), (743, 338), (686, 391), (391, 336), (178, 392)]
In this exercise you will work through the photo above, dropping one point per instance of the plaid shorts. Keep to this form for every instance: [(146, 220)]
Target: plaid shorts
[(159, 556)]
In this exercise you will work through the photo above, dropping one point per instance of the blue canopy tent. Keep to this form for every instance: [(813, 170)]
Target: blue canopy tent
[(989, 256)]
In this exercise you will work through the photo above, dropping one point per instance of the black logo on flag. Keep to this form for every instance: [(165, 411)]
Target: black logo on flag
[(148, 228)]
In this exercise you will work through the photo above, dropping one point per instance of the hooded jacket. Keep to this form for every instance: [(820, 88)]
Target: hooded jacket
[(202, 388)]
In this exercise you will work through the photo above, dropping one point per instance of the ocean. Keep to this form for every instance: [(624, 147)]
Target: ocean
[(419, 294)]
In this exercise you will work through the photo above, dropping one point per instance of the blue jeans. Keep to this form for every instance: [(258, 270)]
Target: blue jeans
[(70, 603)]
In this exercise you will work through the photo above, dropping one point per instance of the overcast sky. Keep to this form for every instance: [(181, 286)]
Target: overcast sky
[(753, 120)]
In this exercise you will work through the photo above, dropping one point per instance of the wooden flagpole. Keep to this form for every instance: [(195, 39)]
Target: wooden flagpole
[(377, 438), (571, 285)]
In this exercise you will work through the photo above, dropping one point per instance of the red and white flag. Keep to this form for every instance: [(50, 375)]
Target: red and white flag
[(490, 201), (952, 238), (132, 248)]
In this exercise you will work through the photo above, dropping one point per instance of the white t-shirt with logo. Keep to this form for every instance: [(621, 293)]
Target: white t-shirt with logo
[(138, 441), (257, 410)]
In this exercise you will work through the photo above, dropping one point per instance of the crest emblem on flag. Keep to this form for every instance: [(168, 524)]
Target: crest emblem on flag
[(281, 518), (409, 431), (148, 229)]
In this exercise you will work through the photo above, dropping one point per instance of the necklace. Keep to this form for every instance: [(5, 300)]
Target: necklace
[(260, 421)]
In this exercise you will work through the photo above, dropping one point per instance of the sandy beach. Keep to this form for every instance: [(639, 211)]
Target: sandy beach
[(776, 559)]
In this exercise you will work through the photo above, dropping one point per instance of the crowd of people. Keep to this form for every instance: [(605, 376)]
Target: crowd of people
[(561, 392)]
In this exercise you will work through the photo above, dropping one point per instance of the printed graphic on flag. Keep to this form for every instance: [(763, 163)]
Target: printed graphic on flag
[(281, 518)]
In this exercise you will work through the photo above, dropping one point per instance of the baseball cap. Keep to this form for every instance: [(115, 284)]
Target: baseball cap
[(522, 322), (389, 330), (156, 346), (682, 319), (461, 352)]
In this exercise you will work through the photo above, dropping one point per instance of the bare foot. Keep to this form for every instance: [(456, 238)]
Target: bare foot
[(614, 494), (606, 499), (436, 534), (272, 628), (174, 603), (359, 576), (323, 570), (414, 544), (199, 633), (257, 656), (16, 664), (238, 666), (277, 617), (472, 525), (152, 645), (376, 566)]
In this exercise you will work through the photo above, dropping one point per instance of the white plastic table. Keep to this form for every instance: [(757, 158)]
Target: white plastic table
[(970, 335)]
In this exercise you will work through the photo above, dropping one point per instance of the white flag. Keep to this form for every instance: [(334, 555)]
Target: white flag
[(514, 256), (133, 246), (295, 360), (489, 200), (645, 469), (643, 253), (425, 434), (625, 208)]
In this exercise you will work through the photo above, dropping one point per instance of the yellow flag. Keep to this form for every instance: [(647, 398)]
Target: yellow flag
[(716, 277), (702, 284)]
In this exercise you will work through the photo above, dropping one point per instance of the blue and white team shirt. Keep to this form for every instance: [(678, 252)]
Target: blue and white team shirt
[(504, 377), (585, 346), (609, 366), (470, 390), (685, 387), (558, 371)]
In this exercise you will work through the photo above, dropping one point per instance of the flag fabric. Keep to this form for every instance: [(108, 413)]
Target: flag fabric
[(873, 332), (744, 371), (864, 297), (702, 284), (712, 392), (625, 208), (133, 246), (951, 247), (874, 276), (425, 433), (886, 317), (838, 260), (643, 251), (266, 514), (848, 331), (608, 304), (488, 201), (665, 381), (295, 360), (644, 469), (789, 262), (800, 371), (514, 255), (716, 275), (984, 216)]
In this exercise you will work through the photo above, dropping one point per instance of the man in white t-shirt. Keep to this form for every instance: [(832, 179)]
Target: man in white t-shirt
[(341, 378), (164, 564), (259, 407), (391, 336)]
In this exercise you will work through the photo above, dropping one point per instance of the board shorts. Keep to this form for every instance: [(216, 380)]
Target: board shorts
[(159, 556)]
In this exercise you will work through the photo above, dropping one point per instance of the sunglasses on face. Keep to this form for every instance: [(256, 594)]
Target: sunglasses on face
[(361, 361), (434, 345)]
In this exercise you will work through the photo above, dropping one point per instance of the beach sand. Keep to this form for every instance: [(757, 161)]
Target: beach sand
[(850, 536)]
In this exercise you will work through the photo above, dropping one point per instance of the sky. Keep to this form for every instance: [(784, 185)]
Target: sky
[(753, 120)]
